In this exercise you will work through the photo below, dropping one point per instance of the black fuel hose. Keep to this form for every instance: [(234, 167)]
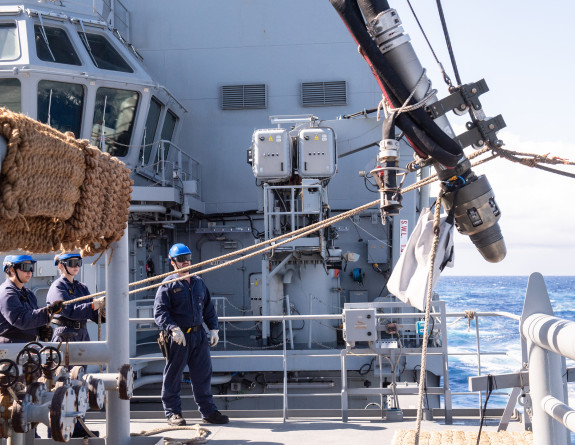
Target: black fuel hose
[(372, 8), (425, 136)]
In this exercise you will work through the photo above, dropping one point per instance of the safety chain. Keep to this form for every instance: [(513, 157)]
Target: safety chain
[(237, 328)]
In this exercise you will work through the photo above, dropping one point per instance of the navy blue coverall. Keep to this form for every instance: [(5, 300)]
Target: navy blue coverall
[(72, 319), (186, 305), (20, 317)]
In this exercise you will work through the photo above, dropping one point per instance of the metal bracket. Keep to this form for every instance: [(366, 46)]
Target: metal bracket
[(482, 132), (466, 96)]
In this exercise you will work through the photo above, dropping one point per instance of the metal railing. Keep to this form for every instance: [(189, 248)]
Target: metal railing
[(163, 171), (549, 341), (286, 355)]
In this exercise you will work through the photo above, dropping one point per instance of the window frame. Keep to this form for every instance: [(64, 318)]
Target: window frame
[(38, 24), (18, 43)]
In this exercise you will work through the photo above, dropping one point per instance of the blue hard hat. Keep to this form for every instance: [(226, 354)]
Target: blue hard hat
[(65, 256), (178, 249), (10, 260)]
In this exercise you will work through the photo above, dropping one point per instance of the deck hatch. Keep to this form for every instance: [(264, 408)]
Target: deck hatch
[(244, 97), (323, 94)]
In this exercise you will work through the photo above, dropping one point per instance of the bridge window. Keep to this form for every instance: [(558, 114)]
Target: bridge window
[(103, 54), (114, 117), (61, 105), (11, 94), (53, 45), (151, 128), (168, 132), (9, 45)]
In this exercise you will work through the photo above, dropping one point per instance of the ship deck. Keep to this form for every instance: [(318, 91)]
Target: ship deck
[(294, 430)]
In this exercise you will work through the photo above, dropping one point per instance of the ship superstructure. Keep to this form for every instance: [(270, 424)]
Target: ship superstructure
[(241, 125)]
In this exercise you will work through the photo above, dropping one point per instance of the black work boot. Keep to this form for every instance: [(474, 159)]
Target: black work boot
[(176, 420), (216, 417)]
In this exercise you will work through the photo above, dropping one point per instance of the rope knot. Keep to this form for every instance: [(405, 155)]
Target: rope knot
[(470, 315)]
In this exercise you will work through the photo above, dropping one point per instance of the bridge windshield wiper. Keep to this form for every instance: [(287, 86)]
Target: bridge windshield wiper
[(45, 37), (87, 43)]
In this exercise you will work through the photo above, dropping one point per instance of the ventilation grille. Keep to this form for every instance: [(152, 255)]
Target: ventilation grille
[(324, 94), (244, 97)]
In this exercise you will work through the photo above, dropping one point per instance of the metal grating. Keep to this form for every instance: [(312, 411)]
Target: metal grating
[(323, 94), (244, 97)]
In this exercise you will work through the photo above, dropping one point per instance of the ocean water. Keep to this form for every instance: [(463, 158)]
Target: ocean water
[(497, 334)]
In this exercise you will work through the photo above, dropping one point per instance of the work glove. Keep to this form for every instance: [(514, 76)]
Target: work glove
[(99, 303), (178, 336), (45, 333), (214, 337), (56, 307)]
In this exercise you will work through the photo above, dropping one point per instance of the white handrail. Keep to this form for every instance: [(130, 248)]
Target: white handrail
[(549, 339)]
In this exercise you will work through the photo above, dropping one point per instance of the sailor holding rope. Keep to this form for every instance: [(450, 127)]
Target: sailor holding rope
[(21, 321)]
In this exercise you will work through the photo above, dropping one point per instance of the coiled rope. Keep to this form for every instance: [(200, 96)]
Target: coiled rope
[(202, 434), (55, 190)]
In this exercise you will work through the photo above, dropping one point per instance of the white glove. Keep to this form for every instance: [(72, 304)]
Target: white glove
[(178, 336), (214, 337), (99, 303)]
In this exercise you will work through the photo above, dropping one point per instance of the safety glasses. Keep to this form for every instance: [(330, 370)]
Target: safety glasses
[(25, 267), (183, 258), (72, 262)]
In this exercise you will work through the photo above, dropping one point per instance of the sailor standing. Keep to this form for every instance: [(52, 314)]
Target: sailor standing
[(21, 321), (71, 321), (180, 309), (73, 318)]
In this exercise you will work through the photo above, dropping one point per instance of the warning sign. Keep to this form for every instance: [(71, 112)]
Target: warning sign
[(403, 231)]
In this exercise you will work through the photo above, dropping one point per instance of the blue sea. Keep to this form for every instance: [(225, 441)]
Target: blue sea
[(497, 334)]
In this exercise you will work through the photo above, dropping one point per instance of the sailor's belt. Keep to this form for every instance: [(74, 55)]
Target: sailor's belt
[(69, 323), (193, 329)]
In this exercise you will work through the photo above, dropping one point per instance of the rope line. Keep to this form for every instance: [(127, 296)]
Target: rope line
[(422, 374), (527, 159)]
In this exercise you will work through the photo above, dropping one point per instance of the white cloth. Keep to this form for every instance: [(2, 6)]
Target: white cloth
[(178, 336), (214, 337), (409, 278)]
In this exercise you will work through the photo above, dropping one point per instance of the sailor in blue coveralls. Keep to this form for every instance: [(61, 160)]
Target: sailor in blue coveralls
[(71, 321), (180, 309), (73, 318), (21, 321)]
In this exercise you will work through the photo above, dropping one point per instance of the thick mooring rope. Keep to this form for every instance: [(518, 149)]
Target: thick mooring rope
[(58, 193)]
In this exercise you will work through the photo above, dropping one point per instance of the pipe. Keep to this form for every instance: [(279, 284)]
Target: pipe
[(561, 412), (158, 378), (147, 208), (118, 337), (169, 221)]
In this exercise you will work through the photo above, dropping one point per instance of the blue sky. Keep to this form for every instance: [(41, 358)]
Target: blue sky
[(524, 51)]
